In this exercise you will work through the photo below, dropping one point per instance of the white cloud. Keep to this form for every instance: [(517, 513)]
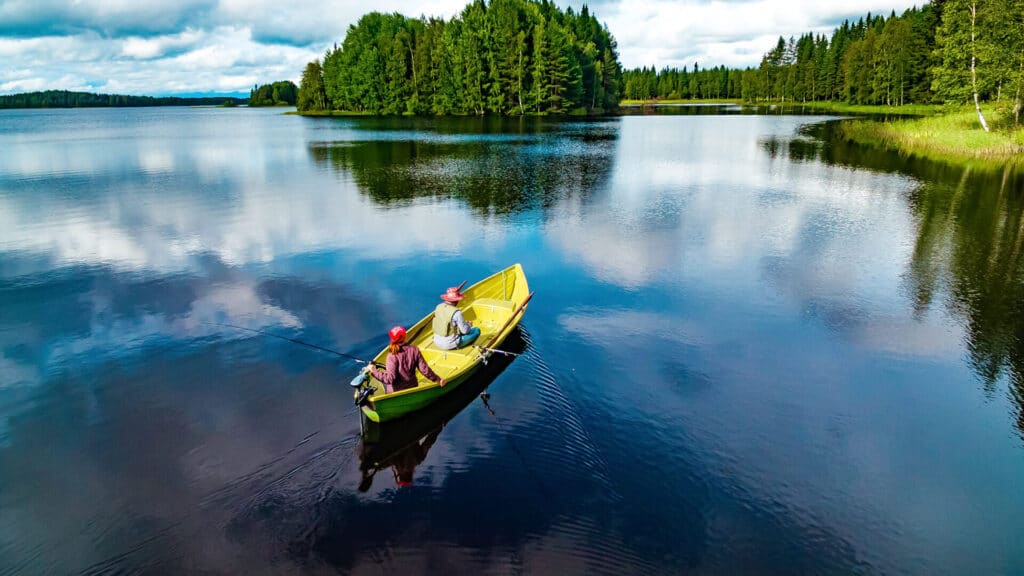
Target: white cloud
[(681, 32), (147, 48)]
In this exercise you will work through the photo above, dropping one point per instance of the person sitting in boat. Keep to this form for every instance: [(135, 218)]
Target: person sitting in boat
[(402, 363), (451, 329)]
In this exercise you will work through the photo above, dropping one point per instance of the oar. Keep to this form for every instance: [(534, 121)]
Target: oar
[(494, 338)]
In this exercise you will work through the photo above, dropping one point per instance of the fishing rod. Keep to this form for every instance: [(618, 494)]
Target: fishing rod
[(495, 350), (299, 342)]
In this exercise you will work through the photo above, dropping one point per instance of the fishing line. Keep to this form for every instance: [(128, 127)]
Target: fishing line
[(299, 342)]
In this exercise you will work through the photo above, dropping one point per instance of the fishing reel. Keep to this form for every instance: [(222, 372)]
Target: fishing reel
[(360, 382)]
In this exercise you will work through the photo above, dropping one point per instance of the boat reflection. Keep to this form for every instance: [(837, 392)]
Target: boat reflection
[(402, 445)]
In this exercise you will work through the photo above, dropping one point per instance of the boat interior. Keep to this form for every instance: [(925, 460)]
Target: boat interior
[(488, 305), (488, 314)]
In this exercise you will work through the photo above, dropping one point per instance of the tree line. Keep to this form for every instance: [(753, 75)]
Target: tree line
[(502, 57), (68, 99), (952, 51), (283, 93), (675, 83)]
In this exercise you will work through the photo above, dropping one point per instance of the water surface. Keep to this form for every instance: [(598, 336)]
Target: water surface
[(753, 349)]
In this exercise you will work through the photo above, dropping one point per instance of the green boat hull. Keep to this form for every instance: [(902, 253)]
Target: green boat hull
[(398, 406)]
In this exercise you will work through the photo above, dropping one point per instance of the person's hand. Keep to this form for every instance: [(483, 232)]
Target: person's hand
[(366, 369), (442, 382)]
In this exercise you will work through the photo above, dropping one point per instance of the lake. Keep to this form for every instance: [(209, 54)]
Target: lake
[(753, 349)]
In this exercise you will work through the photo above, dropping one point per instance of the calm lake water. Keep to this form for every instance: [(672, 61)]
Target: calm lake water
[(753, 349)]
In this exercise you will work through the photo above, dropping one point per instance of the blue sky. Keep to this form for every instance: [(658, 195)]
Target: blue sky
[(226, 46)]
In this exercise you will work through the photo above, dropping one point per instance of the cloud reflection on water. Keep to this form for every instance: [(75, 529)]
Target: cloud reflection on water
[(778, 286)]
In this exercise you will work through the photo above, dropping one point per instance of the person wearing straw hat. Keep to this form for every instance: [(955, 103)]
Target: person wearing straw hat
[(451, 329)]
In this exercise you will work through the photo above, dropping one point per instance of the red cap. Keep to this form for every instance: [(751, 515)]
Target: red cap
[(397, 334)]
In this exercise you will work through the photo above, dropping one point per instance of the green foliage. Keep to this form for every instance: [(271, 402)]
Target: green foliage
[(312, 97), (66, 99), (920, 57), (503, 57), (283, 93)]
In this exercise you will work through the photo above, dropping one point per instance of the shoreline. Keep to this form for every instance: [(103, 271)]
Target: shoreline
[(951, 137)]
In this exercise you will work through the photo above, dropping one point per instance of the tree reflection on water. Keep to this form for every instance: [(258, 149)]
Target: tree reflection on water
[(969, 248), (510, 169), (970, 239)]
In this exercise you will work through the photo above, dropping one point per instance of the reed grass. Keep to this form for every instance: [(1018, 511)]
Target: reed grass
[(955, 136), (867, 109)]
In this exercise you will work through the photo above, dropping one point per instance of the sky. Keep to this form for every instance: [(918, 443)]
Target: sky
[(150, 47)]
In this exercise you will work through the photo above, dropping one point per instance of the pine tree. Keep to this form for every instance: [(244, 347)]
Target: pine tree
[(312, 97), (1004, 50)]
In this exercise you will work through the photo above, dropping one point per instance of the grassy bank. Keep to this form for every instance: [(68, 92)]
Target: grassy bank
[(863, 109), (330, 113), (675, 102), (953, 137), (796, 107)]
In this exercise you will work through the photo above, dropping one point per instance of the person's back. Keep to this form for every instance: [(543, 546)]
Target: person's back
[(451, 330), (402, 363)]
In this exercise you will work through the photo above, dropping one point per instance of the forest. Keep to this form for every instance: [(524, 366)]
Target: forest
[(283, 93), (503, 57), (68, 99), (943, 52)]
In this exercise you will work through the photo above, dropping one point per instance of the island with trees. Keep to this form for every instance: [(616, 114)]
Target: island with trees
[(283, 93), (503, 57)]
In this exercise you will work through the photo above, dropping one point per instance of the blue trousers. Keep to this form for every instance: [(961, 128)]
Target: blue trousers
[(469, 337)]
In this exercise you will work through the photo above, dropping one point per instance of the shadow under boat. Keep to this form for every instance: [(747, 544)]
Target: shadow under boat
[(403, 444)]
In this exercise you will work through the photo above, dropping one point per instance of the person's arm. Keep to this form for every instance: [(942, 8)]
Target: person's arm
[(391, 369), (461, 323), (424, 368)]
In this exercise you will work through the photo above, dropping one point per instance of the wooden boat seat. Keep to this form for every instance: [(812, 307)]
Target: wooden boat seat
[(493, 303), (445, 362)]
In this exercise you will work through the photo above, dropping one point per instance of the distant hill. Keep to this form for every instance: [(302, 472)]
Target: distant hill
[(67, 99)]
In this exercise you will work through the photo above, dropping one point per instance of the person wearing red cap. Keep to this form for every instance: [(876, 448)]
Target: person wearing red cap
[(451, 330), (403, 361)]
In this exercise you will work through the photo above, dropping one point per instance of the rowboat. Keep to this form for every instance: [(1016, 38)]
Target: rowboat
[(389, 445), (494, 304)]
